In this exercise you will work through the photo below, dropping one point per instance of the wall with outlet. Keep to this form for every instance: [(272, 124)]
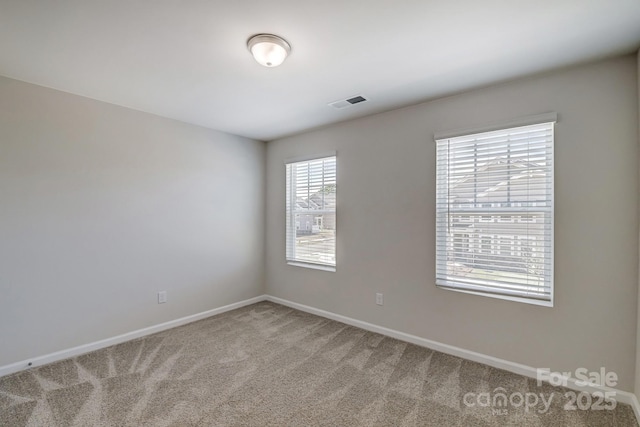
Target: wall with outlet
[(386, 223), (103, 207)]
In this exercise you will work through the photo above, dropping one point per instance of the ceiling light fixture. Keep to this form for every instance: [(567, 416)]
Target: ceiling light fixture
[(269, 50)]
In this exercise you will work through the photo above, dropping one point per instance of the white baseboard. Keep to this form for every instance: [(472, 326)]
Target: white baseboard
[(85, 348), (517, 368)]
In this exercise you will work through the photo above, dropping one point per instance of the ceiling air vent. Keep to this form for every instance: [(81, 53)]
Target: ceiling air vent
[(348, 102)]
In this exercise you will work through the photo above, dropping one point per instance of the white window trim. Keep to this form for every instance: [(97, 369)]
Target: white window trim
[(524, 121), (322, 267), (306, 158)]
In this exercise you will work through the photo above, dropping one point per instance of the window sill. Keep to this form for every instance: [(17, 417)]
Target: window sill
[(312, 266), (541, 303)]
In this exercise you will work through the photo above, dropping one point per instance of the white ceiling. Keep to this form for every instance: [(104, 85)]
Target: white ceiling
[(188, 59)]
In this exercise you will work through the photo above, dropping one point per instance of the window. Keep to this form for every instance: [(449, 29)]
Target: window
[(311, 213), (503, 181)]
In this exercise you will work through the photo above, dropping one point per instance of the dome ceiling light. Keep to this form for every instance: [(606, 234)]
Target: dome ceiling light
[(268, 49)]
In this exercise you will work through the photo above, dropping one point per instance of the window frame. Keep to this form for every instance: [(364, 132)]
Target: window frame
[(290, 215), (493, 290)]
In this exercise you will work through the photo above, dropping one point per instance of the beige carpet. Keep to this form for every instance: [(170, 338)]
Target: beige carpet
[(266, 364)]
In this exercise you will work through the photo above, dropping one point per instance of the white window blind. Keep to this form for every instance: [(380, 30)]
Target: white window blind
[(494, 220), (311, 212)]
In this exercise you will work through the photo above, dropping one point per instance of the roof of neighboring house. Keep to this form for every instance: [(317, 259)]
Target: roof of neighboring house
[(484, 188), (317, 201)]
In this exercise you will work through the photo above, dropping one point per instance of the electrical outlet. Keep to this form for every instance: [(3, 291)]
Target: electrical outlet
[(379, 299), (162, 297)]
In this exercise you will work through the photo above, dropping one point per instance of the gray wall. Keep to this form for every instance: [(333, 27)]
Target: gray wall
[(386, 223), (102, 206)]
